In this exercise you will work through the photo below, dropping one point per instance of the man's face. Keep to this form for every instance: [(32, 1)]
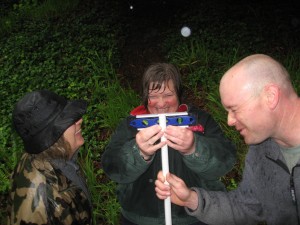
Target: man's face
[(246, 112), (163, 100)]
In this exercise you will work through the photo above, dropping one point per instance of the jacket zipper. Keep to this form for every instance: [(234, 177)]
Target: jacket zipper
[(292, 185)]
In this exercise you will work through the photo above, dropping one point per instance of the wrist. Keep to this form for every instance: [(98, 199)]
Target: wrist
[(192, 202), (191, 150), (145, 157)]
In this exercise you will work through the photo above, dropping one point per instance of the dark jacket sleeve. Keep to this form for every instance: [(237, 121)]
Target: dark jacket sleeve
[(121, 160), (239, 206), (215, 155)]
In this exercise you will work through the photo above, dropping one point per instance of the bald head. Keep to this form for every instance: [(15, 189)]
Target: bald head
[(253, 73)]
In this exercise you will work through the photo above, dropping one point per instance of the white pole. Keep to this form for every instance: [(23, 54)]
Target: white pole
[(164, 156), (165, 169)]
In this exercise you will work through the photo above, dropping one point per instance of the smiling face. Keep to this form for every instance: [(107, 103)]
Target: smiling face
[(242, 114), (247, 109), (73, 136), (163, 100)]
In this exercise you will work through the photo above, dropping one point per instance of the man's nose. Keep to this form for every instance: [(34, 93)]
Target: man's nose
[(231, 120), (78, 121)]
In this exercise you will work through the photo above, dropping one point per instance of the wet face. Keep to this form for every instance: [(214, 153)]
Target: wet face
[(246, 112), (73, 136), (163, 100)]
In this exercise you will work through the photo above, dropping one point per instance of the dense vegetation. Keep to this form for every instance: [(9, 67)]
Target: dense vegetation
[(74, 48)]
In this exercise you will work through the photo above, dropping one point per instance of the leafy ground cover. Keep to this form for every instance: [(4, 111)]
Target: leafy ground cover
[(98, 50)]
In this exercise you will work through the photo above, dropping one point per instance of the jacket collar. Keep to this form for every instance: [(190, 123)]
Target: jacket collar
[(272, 149)]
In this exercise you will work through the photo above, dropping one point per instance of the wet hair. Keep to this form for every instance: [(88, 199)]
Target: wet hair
[(159, 74), (59, 150)]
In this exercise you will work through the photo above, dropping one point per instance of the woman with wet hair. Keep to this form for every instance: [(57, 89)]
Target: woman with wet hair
[(200, 153)]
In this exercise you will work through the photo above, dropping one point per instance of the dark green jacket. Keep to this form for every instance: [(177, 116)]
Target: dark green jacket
[(214, 157), (41, 194)]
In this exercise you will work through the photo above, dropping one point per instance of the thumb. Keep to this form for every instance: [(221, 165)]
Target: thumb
[(175, 181), (160, 176), (170, 178)]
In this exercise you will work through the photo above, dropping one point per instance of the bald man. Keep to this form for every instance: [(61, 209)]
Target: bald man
[(264, 108)]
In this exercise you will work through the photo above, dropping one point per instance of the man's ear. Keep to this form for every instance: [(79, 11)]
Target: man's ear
[(272, 95)]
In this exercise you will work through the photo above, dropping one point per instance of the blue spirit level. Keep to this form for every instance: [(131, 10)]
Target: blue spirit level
[(174, 119)]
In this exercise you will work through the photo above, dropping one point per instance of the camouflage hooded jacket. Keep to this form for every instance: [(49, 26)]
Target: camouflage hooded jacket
[(41, 194)]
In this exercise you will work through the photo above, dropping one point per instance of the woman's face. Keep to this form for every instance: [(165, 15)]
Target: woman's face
[(163, 100), (73, 136)]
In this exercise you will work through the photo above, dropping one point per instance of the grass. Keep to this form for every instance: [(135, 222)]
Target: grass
[(74, 51), (46, 53)]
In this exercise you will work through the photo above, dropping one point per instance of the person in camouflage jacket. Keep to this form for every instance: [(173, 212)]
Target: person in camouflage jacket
[(48, 186)]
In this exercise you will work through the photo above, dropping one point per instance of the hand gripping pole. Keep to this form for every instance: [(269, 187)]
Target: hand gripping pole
[(164, 119)]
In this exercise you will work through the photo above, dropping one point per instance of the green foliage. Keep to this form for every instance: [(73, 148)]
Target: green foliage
[(103, 193), (51, 8), (34, 10), (189, 53), (60, 54), (117, 106), (9, 156), (233, 184), (202, 64), (108, 206)]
